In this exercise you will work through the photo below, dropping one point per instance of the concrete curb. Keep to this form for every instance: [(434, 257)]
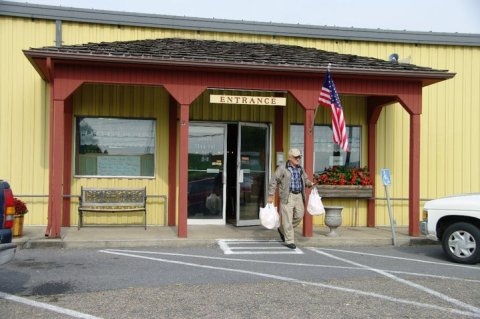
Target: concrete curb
[(195, 242), (205, 236)]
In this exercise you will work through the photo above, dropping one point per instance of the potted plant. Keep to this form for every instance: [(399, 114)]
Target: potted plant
[(20, 211), (344, 181)]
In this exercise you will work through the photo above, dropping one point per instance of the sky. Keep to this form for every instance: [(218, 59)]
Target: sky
[(462, 16)]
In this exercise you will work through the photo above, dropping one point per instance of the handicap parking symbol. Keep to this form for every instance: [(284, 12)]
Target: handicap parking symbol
[(386, 177)]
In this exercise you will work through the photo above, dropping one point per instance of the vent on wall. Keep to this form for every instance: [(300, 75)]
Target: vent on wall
[(393, 57)]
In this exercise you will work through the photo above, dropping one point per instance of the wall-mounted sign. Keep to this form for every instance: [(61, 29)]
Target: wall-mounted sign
[(248, 100), (336, 161), (118, 165), (386, 180)]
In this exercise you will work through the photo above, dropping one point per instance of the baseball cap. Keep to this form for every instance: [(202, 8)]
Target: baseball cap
[(294, 152)]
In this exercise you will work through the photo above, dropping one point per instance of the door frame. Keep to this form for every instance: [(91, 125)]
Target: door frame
[(214, 221), (268, 160)]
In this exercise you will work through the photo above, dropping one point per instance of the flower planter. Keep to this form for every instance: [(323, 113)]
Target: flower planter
[(345, 191), (20, 211), (17, 229)]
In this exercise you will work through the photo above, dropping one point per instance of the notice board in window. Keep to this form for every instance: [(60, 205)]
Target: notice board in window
[(113, 165)]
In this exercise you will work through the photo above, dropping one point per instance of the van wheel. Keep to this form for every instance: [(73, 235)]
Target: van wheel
[(461, 242)]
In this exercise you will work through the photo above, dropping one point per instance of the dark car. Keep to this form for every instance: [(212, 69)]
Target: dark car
[(7, 213)]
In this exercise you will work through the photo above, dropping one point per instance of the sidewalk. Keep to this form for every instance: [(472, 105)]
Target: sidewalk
[(207, 235)]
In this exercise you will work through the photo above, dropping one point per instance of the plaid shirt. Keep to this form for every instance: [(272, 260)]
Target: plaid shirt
[(296, 180)]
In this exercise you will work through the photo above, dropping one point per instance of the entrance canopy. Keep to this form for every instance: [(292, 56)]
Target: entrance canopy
[(186, 68)]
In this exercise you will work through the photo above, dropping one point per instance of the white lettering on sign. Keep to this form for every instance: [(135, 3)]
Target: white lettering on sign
[(248, 100)]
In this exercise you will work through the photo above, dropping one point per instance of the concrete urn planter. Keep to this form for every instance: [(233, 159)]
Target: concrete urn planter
[(333, 219)]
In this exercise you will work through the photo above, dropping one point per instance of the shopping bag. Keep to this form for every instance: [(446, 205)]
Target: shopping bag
[(315, 205), (213, 203), (269, 217)]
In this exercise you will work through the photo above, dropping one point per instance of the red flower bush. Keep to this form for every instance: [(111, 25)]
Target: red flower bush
[(20, 207), (342, 175)]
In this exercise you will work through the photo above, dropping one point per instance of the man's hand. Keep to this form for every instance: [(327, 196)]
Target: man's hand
[(270, 199)]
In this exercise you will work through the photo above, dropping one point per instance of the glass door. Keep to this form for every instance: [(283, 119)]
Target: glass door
[(252, 180), (206, 179)]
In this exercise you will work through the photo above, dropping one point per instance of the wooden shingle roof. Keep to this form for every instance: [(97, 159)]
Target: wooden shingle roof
[(246, 55), (231, 52)]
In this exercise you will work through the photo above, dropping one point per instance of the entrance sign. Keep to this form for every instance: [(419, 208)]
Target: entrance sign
[(248, 100)]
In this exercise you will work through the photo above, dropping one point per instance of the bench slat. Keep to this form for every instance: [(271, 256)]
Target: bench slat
[(97, 209), (111, 200)]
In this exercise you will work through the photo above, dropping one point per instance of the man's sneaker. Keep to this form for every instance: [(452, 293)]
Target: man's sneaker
[(291, 246), (281, 235)]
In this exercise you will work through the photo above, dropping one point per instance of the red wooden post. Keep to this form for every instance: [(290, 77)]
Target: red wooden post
[(67, 176), (414, 180), (50, 165), (56, 174), (278, 141), (372, 168), (183, 171), (60, 93), (172, 163), (308, 165)]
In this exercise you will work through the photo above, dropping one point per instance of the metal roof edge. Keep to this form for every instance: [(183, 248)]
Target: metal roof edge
[(27, 10)]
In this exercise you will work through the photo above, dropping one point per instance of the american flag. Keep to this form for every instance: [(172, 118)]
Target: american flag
[(329, 98)]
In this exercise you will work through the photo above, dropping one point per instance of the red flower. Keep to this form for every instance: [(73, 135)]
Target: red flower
[(20, 207), (342, 175)]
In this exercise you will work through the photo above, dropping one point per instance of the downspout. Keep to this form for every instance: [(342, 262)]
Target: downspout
[(58, 33)]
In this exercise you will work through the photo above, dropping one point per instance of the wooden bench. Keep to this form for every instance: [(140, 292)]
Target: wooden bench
[(112, 200)]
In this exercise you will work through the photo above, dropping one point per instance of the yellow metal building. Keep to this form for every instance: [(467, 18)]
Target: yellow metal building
[(450, 144)]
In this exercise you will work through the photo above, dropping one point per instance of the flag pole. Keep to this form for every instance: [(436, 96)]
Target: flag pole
[(316, 108)]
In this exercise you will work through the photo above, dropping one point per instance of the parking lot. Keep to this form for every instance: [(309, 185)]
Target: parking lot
[(240, 279)]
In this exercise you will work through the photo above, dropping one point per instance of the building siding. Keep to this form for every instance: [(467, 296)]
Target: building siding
[(127, 102), (449, 124), (24, 109)]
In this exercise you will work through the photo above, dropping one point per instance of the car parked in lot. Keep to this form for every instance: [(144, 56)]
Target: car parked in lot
[(7, 213), (455, 222)]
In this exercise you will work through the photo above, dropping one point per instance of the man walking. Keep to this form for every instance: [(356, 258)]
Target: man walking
[(291, 180)]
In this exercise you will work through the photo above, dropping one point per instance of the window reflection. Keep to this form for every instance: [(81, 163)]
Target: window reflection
[(326, 153), (115, 146), (205, 170)]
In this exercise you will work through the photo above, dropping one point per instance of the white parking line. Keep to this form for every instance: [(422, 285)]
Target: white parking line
[(46, 306), (404, 281), (301, 282), (431, 276), (291, 264), (401, 258), (267, 247)]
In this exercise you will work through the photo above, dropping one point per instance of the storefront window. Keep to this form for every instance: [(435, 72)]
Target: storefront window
[(115, 147), (326, 153)]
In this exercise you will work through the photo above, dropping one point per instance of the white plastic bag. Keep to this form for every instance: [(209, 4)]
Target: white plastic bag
[(269, 217), (213, 203), (315, 205)]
